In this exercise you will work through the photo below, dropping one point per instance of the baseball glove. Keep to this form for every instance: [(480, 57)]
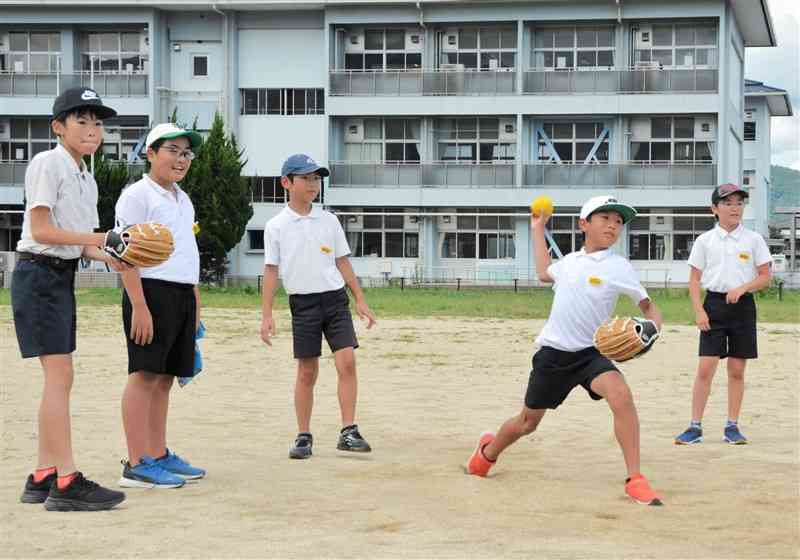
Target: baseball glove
[(623, 338), (141, 245)]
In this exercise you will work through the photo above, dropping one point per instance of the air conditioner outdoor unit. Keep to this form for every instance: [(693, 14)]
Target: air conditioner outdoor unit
[(704, 129), (353, 131), (354, 42), (144, 42), (412, 222), (640, 129), (414, 40), (354, 223), (4, 40), (446, 223), (450, 41), (507, 131), (643, 37), (5, 129)]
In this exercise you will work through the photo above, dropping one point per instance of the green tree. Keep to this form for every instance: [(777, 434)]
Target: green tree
[(221, 198)]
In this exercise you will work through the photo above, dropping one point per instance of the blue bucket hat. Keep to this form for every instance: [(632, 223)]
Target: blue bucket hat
[(301, 164)]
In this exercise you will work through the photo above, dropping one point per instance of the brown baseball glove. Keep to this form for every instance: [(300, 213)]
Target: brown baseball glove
[(141, 245), (623, 338)]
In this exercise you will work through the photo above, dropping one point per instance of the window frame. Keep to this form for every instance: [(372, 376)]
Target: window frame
[(460, 54), (313, 101), (53, 40), (574, 49), (673, 47)]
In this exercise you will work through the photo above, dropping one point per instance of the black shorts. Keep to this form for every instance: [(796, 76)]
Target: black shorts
[(325, 313), (174, 310), (43, 304), (733, 327), (556, 372)]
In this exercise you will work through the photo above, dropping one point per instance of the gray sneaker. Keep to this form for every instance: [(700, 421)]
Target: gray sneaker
[(302, 446), (351, 440)]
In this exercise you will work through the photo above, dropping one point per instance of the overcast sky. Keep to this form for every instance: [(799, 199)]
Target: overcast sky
[(780, 67)]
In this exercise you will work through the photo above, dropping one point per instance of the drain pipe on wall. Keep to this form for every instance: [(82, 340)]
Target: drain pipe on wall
[(619, 11), (225, 63)]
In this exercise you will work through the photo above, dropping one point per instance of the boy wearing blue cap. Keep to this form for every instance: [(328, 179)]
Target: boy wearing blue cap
[(307, 248)]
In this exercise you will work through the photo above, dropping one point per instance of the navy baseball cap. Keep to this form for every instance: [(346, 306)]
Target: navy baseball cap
[(75, 98), (301, 164)]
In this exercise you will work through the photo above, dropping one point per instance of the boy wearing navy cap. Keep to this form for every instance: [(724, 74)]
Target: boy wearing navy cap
[(307, 248), (730, 262), (57, 230)]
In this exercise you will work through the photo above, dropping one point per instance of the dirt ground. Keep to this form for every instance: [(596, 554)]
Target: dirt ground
[(428, 388)]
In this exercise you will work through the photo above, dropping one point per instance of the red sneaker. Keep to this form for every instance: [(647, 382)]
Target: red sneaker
[(478, 464), (639, 490)]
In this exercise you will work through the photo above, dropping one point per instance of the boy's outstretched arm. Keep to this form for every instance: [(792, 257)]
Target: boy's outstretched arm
[(362, 309), (267, 298), (541, 253), (651, 311)]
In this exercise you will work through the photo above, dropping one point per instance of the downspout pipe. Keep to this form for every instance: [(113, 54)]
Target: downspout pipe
[(226, 55)]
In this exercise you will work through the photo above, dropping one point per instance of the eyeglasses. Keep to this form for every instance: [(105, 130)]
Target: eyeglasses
[(186, 154)]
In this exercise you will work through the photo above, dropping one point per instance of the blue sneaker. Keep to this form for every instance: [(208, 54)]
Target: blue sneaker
[(690, 436), (734, 436), (148, 474), (175, 465)]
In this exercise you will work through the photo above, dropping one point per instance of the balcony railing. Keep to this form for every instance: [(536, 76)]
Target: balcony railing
[(51, 84), (628, 80), (12, 173), (426, 174), (422, 82), (625, 174)]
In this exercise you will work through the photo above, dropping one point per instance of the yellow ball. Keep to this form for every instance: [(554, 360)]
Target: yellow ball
[(542, 205)]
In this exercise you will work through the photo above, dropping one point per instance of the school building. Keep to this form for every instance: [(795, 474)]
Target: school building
[(440, 120)]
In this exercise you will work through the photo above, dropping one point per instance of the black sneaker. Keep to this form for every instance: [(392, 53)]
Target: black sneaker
[(36, 492), (351, 440), (302, 446), (82, 495)]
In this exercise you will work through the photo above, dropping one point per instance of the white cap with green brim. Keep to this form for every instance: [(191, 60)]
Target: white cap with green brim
[(607, 204), (168, 131)]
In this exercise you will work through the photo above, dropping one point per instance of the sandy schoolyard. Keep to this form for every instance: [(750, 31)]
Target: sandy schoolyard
[(428, 389)]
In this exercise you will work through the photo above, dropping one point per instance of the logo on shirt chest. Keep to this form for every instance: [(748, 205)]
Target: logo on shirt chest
[(744, 257), (325, 249), (595, 281)]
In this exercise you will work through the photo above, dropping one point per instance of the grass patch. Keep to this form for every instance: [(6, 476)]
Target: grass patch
[(467, 303)]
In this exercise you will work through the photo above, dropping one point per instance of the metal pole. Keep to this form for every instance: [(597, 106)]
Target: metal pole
[(793, 242)]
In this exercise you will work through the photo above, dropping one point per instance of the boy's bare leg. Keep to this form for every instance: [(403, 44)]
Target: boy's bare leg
[(136, 403), (347, 390), (612, 387), (159, 407), (736, 368), (55, 429), (307, 372), (706, 368), (512, 429)]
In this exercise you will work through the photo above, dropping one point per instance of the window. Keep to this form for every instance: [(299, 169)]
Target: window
[(27, 137), (125, 52), (255, 240), (749, 179), (686, 230), (384, 49), (673, 243), (121, 135), (749, 131), (284, 101), (487, 49), (566, 231), (476, 139), (31, 52), (573, 142), (672, 139), (386, 140), (377, 235), (200, 63), (681, 45), (566, 48), (482, 237)]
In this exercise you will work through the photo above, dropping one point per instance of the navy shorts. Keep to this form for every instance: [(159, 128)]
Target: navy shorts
[(174, 310), (325, 313), (733, 327), (556, 372), (43, 304)]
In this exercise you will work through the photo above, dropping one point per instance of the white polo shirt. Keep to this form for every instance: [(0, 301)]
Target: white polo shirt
[(305, 249), (53, 179), (586, 287), (728, 259), (146, 201)]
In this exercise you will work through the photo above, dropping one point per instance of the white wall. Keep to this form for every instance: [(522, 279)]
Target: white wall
[(282, 58), (269, 139)]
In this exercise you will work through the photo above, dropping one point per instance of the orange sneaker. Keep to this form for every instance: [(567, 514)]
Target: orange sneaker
[(478, 464), (639, 490)]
